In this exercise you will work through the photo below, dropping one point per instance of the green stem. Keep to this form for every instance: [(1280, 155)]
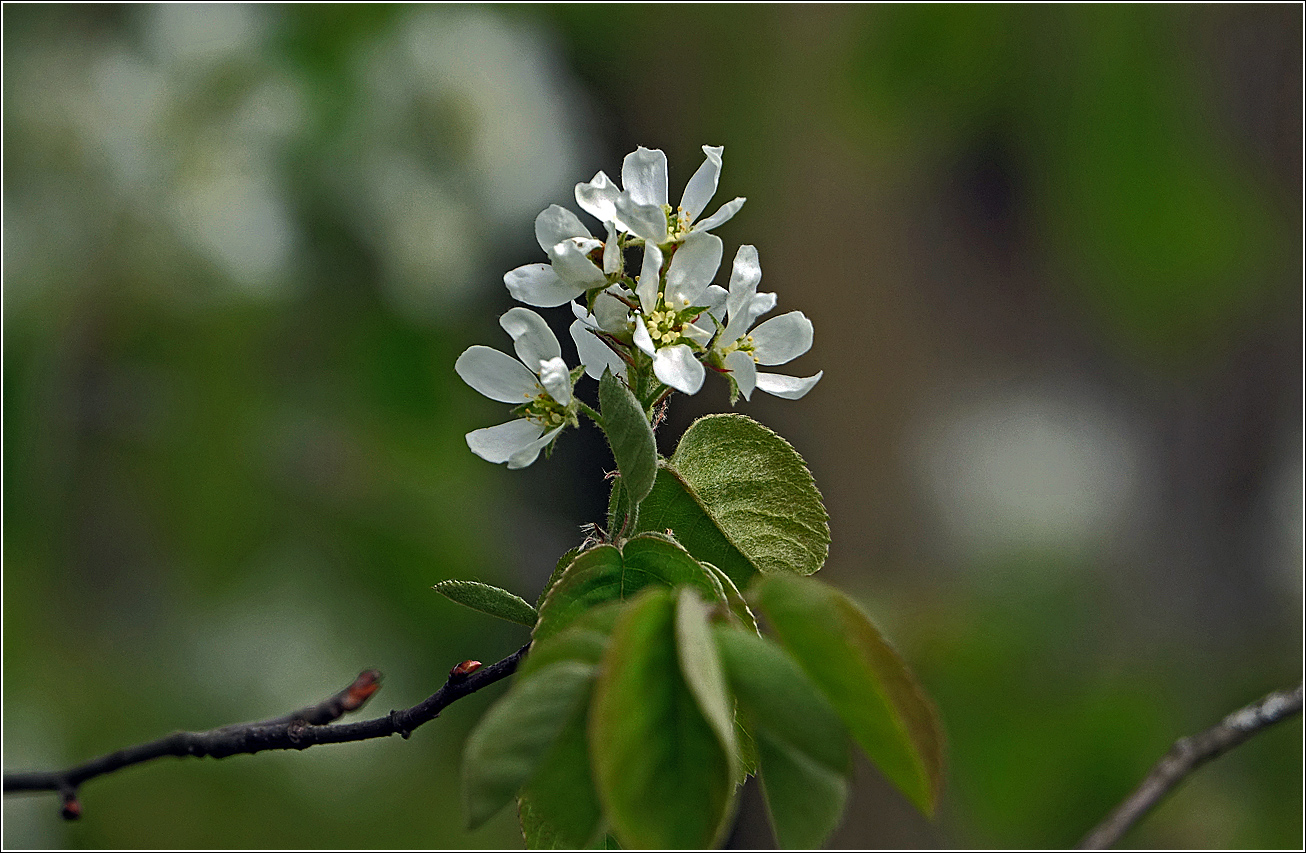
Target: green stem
[(591, 414)]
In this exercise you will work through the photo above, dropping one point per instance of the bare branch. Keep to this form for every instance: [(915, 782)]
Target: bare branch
[(299, 730), (1187, 755)]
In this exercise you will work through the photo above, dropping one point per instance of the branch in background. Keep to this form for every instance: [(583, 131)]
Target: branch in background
[(1187, 755), (299, 730)]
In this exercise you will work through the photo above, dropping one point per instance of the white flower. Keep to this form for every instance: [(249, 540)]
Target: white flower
[(642, 209), (777, 341), (571, 271), (611, 320), (664, 327), (537, 382)]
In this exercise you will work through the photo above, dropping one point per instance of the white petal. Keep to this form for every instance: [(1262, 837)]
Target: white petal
[(643, 220), (677, 367), (745, 275), (649, 278), (782, 338), (611, 314), (572, 263), (642, 338), (530, 452), (644, 176), (692, 268), (699, 332), (598, 198), (611, 250), (500, 443), (595, 354), (744, 370), (715, 298), (762, 302), (701, 187), (496, 375), (531, 337), (788, 387), (556, 379), (539, 285), (722, 216), (555, 224)]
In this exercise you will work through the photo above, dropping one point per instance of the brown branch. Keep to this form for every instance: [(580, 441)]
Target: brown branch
[(299, 730), (1187, 755)]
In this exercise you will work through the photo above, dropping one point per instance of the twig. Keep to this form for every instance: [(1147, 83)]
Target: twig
[(1187, 755), (300, 730)]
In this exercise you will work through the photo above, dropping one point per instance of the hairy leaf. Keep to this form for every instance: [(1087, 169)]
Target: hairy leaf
[(488, 599), (874, 693), (630, 435), (740, 497), (663, 776), (606, 573)]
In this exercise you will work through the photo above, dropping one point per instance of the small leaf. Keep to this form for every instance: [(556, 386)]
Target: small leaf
[(874, 693), (630, 435), (662, 775), (801, 742), (739, 496), (488, 599), (606, 573), (737, 603), (509, 744), (563, 562)]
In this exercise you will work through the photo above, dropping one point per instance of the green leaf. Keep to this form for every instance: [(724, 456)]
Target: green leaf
[(606, 573), (509, 745), (701, 668), (802, 743), (874, 693), (734, 600), (562, 804), (488, 599), (563, 562), (663, 777), (584, 640), (630, 436), (560, 808), (739, 496)]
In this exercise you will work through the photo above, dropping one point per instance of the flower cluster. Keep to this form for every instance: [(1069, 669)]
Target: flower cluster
[(659, 330)]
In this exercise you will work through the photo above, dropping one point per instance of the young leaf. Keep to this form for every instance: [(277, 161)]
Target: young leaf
[(630, 436), (605, 573), (560, 808), (508, 746), (662, 775), (488, 599), (561, 802), (702, 671), (584, 640), (563, 562), (802, 743), (874, 693), (739, 496), (734, 600)]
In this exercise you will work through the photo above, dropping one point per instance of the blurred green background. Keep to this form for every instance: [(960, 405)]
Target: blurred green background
[(1053, 259)]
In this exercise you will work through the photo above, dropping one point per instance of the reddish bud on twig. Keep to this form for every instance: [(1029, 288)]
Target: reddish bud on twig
[(367, 683), (72, 808), (464, 669)]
